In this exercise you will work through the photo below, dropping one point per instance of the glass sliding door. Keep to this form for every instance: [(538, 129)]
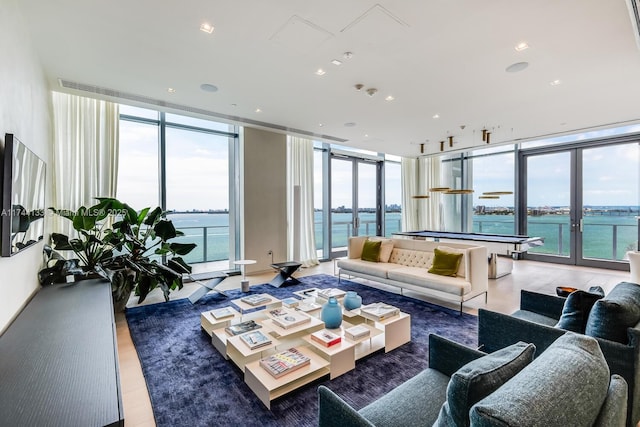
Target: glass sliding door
[(366, 215), (584, 202), (355, 192), (610, 193), (341, 203), (549, 207)]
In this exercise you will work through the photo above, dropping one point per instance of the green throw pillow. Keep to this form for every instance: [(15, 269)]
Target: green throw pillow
[(371, 251), (445, 263)]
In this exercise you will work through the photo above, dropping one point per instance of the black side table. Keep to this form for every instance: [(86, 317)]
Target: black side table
[(285, 271)]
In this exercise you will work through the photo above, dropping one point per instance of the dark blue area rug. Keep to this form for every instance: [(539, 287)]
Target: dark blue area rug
[(191, 384)]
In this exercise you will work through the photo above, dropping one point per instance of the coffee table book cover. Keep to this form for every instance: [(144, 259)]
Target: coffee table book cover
[(331, 292), (243, 327), (288, 318), (221, 313), (290, 302), (357, 332), (282, 363), (379, 311), (308, 305), (326, 338), (255, 299), (255, 339)]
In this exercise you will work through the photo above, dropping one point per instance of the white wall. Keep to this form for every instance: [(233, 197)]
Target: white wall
[(264, 198), (25, 111)]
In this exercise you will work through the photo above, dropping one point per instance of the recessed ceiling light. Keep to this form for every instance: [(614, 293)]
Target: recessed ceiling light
[(366, 135), (208, 87), (320, 72), (320, 124), (206, 27), (555, 82), (258, 110), (436, 116), (350, 124), (518, 66), (347, 55), (389, 98), (171, 90), (336, 62), (522, 46)]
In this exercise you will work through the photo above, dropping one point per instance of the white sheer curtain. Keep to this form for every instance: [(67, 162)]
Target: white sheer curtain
[(302, 247), (418, 176), (85, 153), (433, 208), (410, 206)]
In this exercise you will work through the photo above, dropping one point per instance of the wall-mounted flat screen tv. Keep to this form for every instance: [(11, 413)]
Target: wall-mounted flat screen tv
[(23, 201)]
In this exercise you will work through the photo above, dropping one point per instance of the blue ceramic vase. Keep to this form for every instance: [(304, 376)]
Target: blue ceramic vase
[(352, 300), (331, 314)]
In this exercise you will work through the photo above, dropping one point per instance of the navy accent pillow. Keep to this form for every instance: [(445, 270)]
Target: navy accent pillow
[(611, 316), (575, 312), (479, 378)]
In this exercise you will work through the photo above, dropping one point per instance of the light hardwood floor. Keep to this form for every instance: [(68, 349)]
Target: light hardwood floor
[(504, 296)]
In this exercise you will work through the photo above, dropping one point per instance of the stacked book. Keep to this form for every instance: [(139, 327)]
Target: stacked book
[(284, 362), (286, 318), (222, 313), (379, 311), (255, 300), (255, 339), (290, 302), (357, 332), (308, 305), (331, 292), (241, 328), (326, 338)]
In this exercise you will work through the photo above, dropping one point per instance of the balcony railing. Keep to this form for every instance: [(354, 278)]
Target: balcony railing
[(212, 243), (600, 241)]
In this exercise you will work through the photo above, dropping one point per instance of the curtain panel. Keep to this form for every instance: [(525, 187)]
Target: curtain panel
[(85, 153), (301, 228), (418, 176)]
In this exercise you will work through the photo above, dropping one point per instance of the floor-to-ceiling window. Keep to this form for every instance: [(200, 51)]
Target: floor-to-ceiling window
[(392, 195), (493, 184), (184, 165)]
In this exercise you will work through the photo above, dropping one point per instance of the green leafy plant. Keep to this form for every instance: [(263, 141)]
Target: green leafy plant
[(127, 247)]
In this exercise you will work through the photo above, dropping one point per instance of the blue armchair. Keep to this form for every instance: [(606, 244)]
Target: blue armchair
[(535, 323), (570, 384)]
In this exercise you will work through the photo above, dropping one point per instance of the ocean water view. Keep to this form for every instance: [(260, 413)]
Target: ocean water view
[(606, 237)]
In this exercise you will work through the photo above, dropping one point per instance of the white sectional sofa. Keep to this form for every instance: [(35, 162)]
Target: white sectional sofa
[(405, 263)]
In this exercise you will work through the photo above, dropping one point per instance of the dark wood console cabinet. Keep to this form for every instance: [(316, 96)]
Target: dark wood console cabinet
[(59, 360)]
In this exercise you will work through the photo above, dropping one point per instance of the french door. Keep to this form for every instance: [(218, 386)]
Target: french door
[(583, 200), (355, 200)]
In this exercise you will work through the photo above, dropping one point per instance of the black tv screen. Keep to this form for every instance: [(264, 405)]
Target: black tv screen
[(23, 201)]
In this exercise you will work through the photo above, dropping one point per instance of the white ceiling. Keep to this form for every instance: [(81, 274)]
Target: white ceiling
[(445, 57)]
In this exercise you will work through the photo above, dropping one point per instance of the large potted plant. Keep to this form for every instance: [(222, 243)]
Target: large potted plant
[(132, 249)]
